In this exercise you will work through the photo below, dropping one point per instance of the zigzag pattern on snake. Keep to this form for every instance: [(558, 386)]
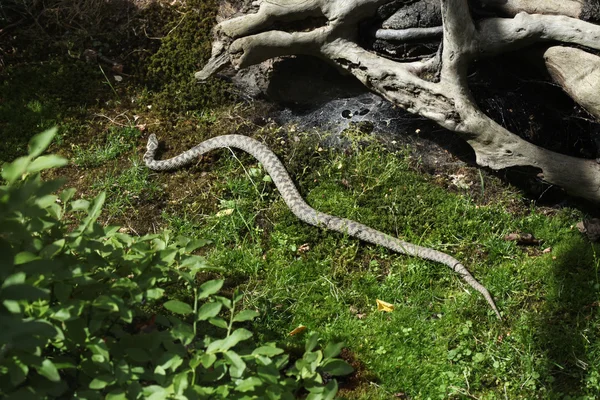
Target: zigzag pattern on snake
[(302, 210)]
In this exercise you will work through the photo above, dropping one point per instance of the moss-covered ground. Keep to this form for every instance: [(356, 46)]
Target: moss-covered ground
[(441, 340)]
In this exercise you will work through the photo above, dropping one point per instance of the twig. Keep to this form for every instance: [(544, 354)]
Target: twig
[(168, 33), (403, 35)]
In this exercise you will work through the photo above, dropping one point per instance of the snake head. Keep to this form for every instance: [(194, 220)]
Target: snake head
[(152, 143)]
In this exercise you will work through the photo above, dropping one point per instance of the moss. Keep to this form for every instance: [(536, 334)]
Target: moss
[(183, 51)]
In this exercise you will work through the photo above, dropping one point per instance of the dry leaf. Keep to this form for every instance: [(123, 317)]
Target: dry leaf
[(299, 329), (524, 239), (225, 212), (547, 250), (460, 181), (304, 248), (358, 315), (384, 306)]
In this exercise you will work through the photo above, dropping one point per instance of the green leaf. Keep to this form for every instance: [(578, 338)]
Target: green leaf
[(209, 310), (225, 301), (101, 382), (235, 360), (333, 350), (248, 384), (155, 392), (173, 361), (326, 392), (15, 170), (210, 288), (80, 205), (99, 348), (269, 374), (94, 212), (62, 291), (67, 195), (25, 257), (154, 293), (18, 371), (178, 307), (194, 244), (208, 360), (23, 292), (52, 249), (180, 383), (312, 341), (14, 279), (138, 355), (268, 351), (41, 141), (337, 367), (118, 394), (183, 332), (168, 255), (246, 315), (218, 322), (48, 370), (230, 341), (46, 162)]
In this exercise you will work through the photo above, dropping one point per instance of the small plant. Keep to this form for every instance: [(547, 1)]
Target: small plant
[(89, 312)]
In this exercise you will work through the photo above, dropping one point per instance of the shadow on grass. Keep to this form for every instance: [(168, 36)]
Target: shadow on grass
[(37, 96), (569, 328)]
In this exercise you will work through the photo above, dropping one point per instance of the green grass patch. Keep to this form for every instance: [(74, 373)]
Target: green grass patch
[(126, 189), (441, 340), (37, 96), (118, 141)]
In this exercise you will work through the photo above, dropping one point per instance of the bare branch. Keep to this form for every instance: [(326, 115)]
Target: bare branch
[(404, 35), (578, 73), (251, 50), (248, 40), (498, 35), (568, 8)]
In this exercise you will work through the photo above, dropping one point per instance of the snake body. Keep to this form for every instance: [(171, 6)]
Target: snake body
[(302, 210)]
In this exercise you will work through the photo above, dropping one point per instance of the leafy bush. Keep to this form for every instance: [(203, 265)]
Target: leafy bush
[(83, 311)]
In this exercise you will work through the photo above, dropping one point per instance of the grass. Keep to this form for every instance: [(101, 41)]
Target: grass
[(128, 188), (441, 341), (118, 141)]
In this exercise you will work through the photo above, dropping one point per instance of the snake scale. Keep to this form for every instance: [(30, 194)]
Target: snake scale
[(302, 210)]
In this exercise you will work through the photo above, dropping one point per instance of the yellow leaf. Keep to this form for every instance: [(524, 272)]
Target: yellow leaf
[(225, 212), (299, 329), (384, 306)]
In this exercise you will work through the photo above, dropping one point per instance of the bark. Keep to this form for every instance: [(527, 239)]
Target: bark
[(511, 8), (578, 73), (435, 88)]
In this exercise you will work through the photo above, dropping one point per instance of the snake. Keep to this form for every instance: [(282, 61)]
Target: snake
[(292, 198)]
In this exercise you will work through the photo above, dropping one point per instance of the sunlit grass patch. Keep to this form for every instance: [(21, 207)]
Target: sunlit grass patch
[(441, 340), (127, 188), (118, 141)]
